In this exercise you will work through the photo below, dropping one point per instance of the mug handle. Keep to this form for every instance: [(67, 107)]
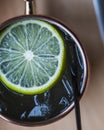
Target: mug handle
[(30, 7)]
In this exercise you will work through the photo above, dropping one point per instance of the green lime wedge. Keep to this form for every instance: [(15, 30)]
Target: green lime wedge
[(32, 56)]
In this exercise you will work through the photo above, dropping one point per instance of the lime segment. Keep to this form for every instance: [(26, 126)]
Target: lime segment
[(32, 56)]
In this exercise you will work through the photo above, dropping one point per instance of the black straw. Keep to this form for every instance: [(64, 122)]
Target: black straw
[(77, 106), (76, 99), (73, 62), (76, 91)]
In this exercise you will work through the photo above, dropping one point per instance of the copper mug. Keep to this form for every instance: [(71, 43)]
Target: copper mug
[(59, 101)]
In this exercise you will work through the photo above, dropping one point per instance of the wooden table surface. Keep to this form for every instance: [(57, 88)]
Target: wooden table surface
[(79, 15)]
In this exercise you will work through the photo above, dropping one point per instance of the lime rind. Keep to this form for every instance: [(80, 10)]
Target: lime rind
[(61, 61)]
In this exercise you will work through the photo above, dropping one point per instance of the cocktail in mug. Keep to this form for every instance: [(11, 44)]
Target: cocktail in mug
[(39, 56)]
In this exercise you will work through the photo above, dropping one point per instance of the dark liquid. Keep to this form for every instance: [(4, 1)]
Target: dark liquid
[(40, 108)]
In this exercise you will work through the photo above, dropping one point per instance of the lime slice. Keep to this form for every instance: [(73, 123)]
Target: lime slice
[(32, 56)]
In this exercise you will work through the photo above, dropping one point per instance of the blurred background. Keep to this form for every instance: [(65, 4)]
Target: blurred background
[(79, 16)]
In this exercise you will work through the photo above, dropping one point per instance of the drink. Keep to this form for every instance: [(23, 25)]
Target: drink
[(56, 102)]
